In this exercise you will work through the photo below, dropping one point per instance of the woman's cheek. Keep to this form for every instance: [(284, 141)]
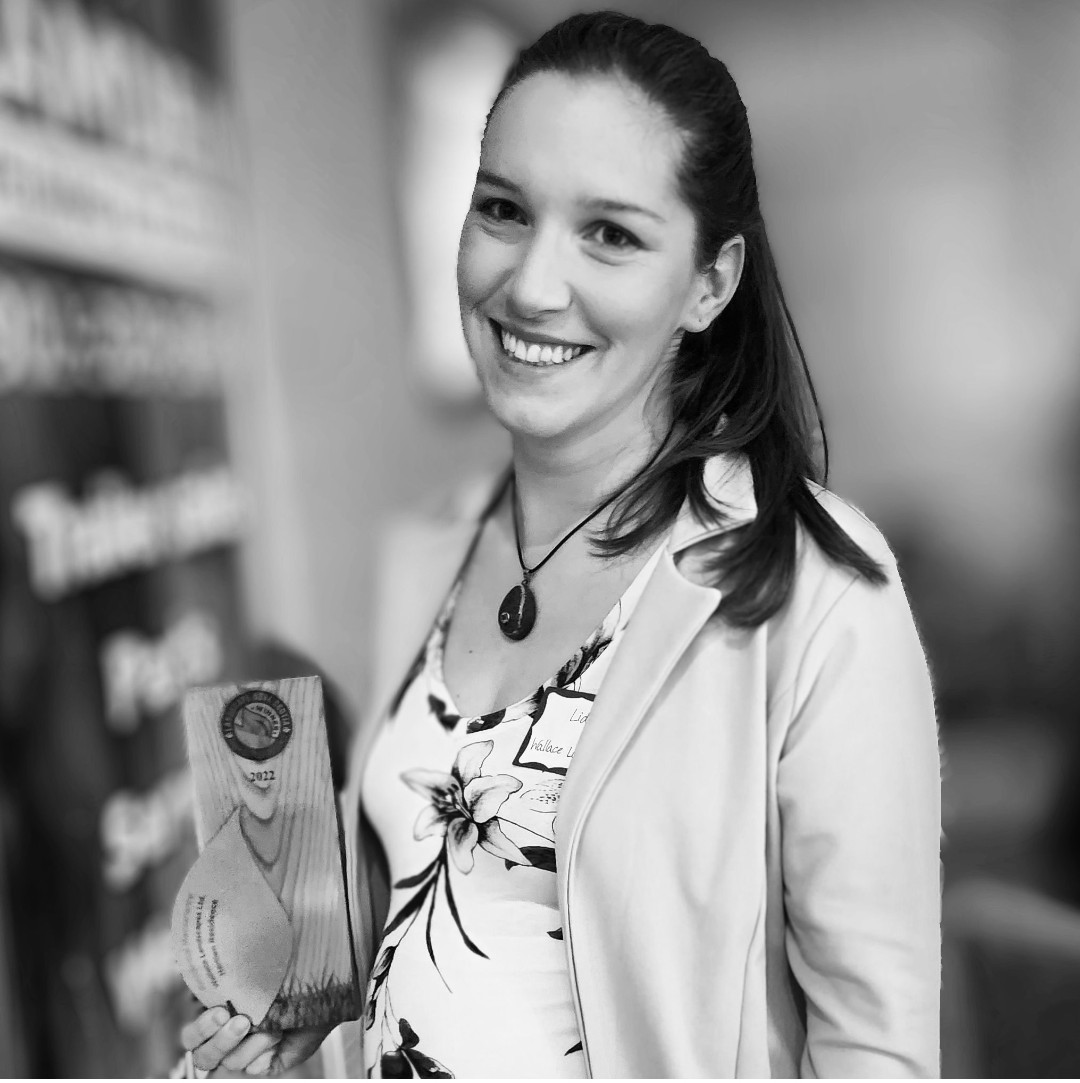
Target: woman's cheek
[(647, 310), (465, 261), (480, 258)]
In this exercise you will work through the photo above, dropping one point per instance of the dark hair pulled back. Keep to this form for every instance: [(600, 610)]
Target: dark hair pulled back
[(743, 383)]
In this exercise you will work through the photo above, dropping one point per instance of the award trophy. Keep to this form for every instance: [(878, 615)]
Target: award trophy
[(261, 923)]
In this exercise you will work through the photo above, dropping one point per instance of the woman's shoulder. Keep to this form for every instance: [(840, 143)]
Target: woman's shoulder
[(821, 582), (855, 523), (728, 480), (832, 602)]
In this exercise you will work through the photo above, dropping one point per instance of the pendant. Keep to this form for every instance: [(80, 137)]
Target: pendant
[(517, 614)]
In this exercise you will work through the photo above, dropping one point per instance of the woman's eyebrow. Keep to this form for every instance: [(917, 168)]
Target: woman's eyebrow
[(485, 176), (616, 206)]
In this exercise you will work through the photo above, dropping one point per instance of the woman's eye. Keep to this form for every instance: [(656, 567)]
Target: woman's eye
[(499, 210), (612, 236)]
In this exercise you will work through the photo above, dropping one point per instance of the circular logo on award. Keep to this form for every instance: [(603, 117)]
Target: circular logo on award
[(256, 724)]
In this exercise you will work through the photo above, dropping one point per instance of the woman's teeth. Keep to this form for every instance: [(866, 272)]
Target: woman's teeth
[(533, 353)]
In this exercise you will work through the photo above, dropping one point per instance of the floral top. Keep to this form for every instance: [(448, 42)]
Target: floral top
[(471, 977)]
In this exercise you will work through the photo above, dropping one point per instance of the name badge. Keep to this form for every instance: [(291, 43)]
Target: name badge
[(549, 745)]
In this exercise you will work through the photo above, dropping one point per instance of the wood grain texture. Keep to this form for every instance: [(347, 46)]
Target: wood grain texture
[(288, 818)]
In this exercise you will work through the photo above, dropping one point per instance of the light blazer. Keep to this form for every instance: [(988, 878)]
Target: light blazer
[(748, 837)]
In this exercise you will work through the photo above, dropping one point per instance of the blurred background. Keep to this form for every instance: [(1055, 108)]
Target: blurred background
[(229, 352)]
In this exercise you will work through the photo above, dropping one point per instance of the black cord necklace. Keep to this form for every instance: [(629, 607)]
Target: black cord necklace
[(517, 614)]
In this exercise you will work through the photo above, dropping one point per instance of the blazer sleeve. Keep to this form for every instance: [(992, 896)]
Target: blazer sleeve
[(859, 793)]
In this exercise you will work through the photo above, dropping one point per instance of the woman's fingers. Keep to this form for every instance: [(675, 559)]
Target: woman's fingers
[(298, 1045), (261, 1064), (220, 1044), (251, 1049), (206, 1026), (218, 1041), (294, 1046)]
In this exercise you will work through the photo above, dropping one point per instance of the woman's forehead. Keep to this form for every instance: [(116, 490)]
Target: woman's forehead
[(599, 136)]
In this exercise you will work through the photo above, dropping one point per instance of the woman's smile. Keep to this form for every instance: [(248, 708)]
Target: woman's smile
[(536, 350)]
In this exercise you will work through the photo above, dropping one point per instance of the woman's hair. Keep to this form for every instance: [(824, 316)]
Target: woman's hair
[(742, 384)]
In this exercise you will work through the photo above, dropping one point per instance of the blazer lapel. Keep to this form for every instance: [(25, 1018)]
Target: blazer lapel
[(669, 614)]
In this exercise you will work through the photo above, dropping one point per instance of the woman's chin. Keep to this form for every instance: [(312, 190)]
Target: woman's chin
[(534, 430), (529, 420)]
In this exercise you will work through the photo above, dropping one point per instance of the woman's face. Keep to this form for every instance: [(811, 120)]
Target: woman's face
[(576, 268)]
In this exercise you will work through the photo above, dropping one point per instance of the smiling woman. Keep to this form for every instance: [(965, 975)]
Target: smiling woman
[(670, 806)]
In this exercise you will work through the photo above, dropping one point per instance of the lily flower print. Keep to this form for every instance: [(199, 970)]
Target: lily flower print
[(463, 806)]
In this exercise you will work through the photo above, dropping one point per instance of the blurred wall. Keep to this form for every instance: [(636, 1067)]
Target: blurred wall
[(920, 164), (327, 425), (914, 159)]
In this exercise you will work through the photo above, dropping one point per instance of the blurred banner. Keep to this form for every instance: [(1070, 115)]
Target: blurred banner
[(120, 513)]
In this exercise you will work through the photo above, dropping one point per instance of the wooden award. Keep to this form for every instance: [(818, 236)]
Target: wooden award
[(261, 922)]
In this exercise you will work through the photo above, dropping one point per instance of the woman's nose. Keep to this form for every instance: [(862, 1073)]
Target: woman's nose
[(539, 281)]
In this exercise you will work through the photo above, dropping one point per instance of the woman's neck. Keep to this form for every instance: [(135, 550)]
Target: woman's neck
[(558, 484)]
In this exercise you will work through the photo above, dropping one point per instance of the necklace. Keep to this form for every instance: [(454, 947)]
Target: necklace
[(517, 614)]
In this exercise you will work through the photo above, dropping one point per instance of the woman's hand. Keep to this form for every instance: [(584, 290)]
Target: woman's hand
[(216, 1040)]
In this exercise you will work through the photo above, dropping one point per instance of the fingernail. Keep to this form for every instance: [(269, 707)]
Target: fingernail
[(239, 1024), (221, 1017)]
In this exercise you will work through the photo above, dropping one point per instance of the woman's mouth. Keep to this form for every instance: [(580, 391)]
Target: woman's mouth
[(537, 354)]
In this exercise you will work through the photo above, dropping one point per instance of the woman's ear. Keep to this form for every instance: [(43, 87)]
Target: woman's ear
[(715, 286)]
